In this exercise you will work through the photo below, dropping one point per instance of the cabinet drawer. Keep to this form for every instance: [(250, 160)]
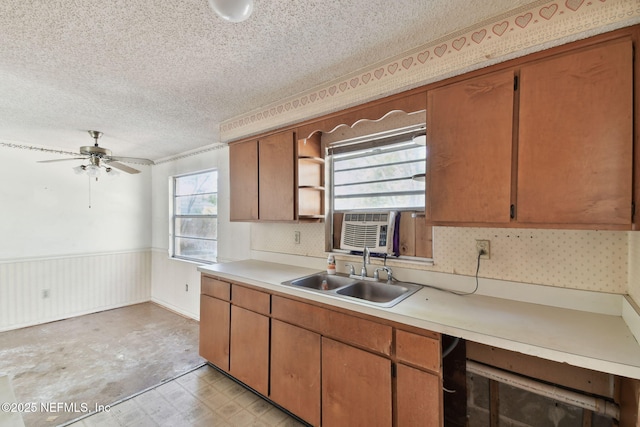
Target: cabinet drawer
[(418, 350), (253, 300), (215, 288), (343, 327)]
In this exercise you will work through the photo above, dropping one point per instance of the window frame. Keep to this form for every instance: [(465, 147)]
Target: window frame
[(174, 217), (361, 143)]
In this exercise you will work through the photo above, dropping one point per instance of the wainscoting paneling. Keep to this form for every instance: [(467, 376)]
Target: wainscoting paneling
[(40, 290)]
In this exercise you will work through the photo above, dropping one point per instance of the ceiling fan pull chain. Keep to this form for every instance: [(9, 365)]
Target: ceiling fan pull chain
[(89, 192)]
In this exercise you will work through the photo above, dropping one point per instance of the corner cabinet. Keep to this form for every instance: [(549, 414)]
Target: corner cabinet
[(545, 144), (276, 178), (328, 366)]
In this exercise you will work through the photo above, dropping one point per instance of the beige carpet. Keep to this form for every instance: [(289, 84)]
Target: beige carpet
[(73, 365)]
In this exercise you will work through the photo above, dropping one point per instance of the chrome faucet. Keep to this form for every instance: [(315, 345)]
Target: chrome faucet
[(387, 270), (352, 271), (366, 255)]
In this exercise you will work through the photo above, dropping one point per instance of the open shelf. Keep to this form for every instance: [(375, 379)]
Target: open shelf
[(310, 179)]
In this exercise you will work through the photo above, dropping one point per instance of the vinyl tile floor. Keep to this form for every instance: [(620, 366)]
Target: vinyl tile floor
[(202, 397)]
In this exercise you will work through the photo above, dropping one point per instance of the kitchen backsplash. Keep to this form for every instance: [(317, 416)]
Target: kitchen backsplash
[(577, 259), (588, 260)]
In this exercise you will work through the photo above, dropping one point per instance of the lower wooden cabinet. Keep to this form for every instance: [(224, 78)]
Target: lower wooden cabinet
[(327, 367), (418, 397), (249, 361), (419, 400), (356, 386), (215, 318), (295, 370)]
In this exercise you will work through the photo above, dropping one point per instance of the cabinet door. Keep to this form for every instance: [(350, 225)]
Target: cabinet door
[(295, 370), (469, 140), (249, 360), (575, 138), (243, 181), (418, 397), (276, 177), (214, 331), (356, 386)]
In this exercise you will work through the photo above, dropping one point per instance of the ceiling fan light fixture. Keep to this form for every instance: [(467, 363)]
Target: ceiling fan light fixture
[(92, 170), (232, 10), (112, 172), (100, 157)]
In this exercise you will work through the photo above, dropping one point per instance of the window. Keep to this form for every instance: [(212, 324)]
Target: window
[(385, 174), (375, 172), (194, 214)]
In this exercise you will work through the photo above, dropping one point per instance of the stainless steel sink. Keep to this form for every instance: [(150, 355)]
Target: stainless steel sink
[(381, 294), (322, 281), (375, 291)]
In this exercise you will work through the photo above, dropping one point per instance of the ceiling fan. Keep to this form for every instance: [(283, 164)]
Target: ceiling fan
[(100, 157)]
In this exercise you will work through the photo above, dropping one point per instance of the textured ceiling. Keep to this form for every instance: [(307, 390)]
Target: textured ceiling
[(158, 77)]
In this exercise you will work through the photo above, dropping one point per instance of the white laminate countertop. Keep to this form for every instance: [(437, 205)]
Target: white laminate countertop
[(590, 340)]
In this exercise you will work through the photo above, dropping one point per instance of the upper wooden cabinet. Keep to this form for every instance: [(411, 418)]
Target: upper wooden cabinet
[(243, 181), (470, 137), (277, 178), (553, 150), (276, 172), (575, 138)]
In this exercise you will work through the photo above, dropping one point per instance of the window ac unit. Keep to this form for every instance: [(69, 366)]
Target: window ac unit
[(378, 231)]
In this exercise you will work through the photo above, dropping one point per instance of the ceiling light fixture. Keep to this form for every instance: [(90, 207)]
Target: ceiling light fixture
[(232, 10), (94, 169)]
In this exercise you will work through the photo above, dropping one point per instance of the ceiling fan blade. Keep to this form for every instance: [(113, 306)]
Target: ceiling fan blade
[(122, 167), (132, 160), (62, 160)]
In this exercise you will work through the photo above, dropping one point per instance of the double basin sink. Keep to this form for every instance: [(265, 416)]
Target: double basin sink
[(381, 294)]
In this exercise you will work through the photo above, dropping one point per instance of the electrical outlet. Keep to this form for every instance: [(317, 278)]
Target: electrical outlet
[(45, 293), (484, 247), (296, 237)]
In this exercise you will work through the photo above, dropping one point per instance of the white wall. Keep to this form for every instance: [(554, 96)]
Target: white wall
[(170, 276), (85, 258)]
